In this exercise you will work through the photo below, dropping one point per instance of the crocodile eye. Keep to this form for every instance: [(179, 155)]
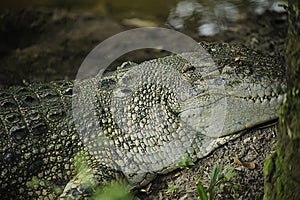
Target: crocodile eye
[(18, 133)]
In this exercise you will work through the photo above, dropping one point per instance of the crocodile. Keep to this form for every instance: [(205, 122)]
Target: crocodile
[(148, 117)]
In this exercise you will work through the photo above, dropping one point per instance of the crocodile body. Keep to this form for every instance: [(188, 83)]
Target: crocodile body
[(148, 124)]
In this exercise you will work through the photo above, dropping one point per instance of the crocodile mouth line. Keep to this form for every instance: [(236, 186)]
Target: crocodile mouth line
[(264, 99)]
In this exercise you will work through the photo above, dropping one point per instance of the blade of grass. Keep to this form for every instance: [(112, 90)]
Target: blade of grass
[(201, 191), (215, 175)]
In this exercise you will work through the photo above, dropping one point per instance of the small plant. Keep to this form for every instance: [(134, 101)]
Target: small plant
[(114, 191), (186, 162), (172, 188), (218, 183)]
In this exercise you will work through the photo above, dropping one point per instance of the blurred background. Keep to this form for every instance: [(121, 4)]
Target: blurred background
[(206, 17), (44, 40)]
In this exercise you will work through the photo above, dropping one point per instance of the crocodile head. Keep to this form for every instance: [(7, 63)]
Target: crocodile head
[(242, 89)]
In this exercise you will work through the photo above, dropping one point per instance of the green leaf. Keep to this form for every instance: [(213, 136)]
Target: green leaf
[(215, 176), (185, 162), (172, 188), (230, 173), (219, 182), (201, 191)]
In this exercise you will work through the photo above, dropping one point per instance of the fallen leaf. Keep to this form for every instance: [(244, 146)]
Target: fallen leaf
[(237, 160), (160, 196), (237, 58), (147, 189), (248, 165)]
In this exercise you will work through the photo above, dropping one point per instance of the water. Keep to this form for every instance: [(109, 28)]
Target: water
[(211, 17), (206, 17)]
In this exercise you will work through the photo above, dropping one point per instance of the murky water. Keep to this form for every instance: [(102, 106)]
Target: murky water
[(211, 17), (206, 17)]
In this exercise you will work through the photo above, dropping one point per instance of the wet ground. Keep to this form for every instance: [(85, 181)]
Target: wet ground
[(39, 44)]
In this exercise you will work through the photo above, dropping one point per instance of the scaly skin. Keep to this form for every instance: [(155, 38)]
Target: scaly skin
[(149, 116)]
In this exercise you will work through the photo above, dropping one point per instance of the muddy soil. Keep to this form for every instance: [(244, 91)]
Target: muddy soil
[(42, 45)]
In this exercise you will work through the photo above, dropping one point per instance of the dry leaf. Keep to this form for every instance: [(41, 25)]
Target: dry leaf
[(248, 165), (160, 196), (237, 58), (237, 161), (147, 189)]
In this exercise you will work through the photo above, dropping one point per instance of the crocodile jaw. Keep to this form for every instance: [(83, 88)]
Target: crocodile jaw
[(233, 104)]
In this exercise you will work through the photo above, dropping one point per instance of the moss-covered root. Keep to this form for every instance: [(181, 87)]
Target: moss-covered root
[(282, 179), (282, 169)]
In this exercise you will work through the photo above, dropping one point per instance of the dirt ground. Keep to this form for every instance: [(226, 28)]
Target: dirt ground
[(44, 45)]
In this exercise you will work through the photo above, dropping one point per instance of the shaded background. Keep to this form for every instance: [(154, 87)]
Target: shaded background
[(206, 17), (48, 40)]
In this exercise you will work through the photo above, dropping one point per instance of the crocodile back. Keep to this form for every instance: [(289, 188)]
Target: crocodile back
[(37, 139)]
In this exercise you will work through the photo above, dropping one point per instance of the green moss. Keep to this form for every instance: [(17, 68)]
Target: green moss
[(269, 166)]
